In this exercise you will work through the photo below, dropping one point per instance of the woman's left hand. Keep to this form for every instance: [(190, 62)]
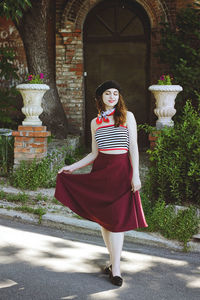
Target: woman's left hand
[(136, 184)]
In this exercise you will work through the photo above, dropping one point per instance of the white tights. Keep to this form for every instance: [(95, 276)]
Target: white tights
[(114, 243)]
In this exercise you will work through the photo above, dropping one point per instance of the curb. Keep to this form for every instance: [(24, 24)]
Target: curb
[(87, 227)]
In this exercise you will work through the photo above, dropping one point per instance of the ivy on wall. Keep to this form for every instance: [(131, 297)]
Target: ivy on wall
[(180, 50)]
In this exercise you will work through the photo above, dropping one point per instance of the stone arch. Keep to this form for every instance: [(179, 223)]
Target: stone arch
[(76, 11)]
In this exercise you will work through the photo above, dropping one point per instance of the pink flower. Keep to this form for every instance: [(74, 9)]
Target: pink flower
[(162, 77), (41, 75), (30, 77)]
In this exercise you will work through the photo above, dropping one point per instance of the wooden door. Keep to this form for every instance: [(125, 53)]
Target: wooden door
[(116, 46)]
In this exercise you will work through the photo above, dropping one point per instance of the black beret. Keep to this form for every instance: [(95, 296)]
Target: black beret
[(109, 84)]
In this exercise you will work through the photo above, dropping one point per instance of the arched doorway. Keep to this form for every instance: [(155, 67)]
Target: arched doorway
[(116, 46)]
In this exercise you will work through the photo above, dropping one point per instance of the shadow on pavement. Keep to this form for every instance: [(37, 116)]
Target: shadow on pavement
[(46, 264)]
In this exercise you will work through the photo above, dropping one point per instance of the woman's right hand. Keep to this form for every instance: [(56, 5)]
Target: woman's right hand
[(66, 169)]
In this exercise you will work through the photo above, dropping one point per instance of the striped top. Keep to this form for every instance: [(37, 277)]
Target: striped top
[(112, 138)]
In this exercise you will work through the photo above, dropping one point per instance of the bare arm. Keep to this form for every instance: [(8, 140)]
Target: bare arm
[(86, 160), (133, 150)]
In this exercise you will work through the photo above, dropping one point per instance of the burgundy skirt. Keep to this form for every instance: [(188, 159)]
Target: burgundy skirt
[(103, 196)]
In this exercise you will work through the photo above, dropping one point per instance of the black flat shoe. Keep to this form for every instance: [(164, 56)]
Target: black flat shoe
[(108, 270), (116, 280)]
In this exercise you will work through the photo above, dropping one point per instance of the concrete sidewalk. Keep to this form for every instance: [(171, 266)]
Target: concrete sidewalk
[(62, 218)]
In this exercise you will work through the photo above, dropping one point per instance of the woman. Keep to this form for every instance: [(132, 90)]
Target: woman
[(109, 194)]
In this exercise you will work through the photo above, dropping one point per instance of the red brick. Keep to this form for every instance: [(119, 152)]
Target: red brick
[(22, 150), (36, 145), (39, 134), (76, 34), (42, 150), (22, 139), (66, 33), (40, 140), (16, 133), (25, 128), (26, 150), (79, 65), (72, 69), (40, 128), (18, 144)]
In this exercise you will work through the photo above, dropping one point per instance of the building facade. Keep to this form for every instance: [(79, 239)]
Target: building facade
[(97, 40)]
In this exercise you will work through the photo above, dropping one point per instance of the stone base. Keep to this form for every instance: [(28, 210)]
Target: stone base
[(162, 124), (32, 123)]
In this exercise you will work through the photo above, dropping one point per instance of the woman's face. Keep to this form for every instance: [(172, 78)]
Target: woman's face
[(110, 98)]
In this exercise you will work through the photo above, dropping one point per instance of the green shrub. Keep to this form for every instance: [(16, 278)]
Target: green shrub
[(179, 49), (174, 173), (184, 225), (31, 175), (162, 218)]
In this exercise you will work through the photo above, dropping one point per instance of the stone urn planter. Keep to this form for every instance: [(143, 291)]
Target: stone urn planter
[(32, 95), (165, 96)]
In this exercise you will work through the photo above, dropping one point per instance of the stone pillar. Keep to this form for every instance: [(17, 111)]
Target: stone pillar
[(30, 143)]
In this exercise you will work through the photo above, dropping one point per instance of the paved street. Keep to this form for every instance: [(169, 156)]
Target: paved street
[(48, 264)]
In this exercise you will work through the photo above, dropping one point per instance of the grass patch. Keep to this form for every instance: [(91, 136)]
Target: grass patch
[(40, 197), (20, 197), (2, 195), (27, 209), (36, 211), (162, 218), (55, 201)]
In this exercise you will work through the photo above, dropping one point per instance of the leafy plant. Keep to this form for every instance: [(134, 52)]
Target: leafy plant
[(31, 175), (162, 218), (13, 8), (179, 49), (7, 69), (165, 80), (34, 79), (185, 225), (174, 174)]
